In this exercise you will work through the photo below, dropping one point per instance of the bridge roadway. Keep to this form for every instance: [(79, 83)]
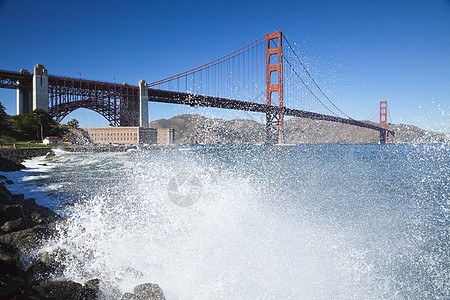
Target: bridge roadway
[(14, 80), (217, 102)]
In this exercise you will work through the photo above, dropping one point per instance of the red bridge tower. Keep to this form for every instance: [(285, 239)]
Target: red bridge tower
[(383, 122), (274, 87)]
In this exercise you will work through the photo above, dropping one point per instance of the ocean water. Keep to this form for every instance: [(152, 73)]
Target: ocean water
[(254, 222)]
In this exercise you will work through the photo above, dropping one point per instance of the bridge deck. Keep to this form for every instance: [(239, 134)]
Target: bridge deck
[(217, 102), (13, 80)]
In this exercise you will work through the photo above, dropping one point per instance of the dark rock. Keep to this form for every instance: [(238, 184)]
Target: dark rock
[(67, 290), (30, 202), (47, 259), (111, 290), (9, 181), (130, 296), (8, 253), (20, 154), (25, 226), (25, 240), (7, 165), (5, 194), (50, 154), (91, 290), (11, 281), (149, 291), (11, 159), (11, 287), (38, 271), (18, 199), (39, 214), (93, 284), (16, 225), (15, 207), (57, 256), (46, 267), (9, 260), (43, 165), (3, 177), (10, 213)]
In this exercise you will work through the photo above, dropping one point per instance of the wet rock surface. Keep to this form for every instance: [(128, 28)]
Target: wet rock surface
[(130, 296), (56, 290), (24, 226), (91, 289), (7, 165), (149, 291), (145, 291)]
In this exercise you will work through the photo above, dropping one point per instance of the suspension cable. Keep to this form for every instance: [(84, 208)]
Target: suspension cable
[(295, 54), (214, 62), (295, 72), (370, 117)]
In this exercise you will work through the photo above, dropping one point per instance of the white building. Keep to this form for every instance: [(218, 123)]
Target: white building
[(51, 140)]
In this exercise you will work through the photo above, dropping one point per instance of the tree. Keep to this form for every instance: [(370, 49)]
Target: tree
[(23, 126), (4, 120), (74, 124), (36, 124), (44, 121), (37, 117)]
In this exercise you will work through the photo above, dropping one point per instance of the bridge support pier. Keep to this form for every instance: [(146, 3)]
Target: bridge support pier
[(143, 104), (383, 137), (40, 88), (274, 129), (24, 101), (24, 97)]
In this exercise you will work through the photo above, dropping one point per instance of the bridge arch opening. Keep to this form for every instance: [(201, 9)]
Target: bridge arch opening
[(87, 118), (60, 111)]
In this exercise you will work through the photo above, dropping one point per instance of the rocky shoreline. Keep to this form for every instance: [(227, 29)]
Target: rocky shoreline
[(117, 148), (26, 227), (11, 159)]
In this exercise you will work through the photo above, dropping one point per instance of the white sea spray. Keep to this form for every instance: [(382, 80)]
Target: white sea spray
[(345, 222)]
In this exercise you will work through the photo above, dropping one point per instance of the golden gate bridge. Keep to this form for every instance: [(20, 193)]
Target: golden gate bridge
[(266, 76)]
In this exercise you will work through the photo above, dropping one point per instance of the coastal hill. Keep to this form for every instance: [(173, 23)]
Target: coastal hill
[(194, 128)]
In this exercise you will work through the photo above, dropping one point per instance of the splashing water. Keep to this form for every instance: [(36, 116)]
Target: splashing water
[(304, 222)]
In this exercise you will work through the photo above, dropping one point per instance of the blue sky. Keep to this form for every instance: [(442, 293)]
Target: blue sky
[(360, 52)]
